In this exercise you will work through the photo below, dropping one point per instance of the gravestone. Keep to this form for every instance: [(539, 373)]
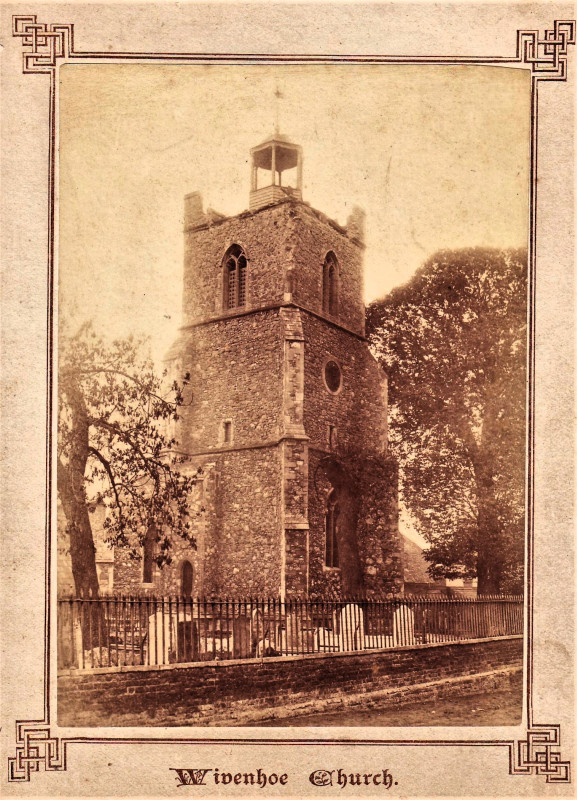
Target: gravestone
[(352, 628), (403, 626), (159, 638)]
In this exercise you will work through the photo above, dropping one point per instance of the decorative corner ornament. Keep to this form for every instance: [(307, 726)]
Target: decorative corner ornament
[(43, 44), (547, 56), (536, 755), (35, 748)]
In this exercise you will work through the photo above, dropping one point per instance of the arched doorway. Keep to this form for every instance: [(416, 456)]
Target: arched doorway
[(341, 518), (186, 579), (187, 631)]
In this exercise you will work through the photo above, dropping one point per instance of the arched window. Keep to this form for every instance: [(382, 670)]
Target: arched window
[(331, 522), (330, 284), (148, 554), (234, 278), (186, 579)]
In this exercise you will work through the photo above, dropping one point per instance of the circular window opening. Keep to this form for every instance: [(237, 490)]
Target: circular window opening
[(332, 376)]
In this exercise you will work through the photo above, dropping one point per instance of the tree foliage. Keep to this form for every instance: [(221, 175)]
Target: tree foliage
[(453, 340), (113, 448)]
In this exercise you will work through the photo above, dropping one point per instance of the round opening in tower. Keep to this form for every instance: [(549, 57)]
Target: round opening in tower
[(332, 376)]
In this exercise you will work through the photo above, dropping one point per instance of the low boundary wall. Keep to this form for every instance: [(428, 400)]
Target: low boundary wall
[(238, 692)]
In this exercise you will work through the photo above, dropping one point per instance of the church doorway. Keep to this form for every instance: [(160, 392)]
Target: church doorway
[(186, 579), (341, 520)]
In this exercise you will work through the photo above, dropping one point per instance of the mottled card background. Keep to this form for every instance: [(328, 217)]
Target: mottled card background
[(437, 156), (139, 769)]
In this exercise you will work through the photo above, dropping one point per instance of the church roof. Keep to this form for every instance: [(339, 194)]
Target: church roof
[(414, 562)]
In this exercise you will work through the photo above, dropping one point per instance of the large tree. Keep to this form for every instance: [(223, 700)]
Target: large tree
[(113, 448), (453, 340)]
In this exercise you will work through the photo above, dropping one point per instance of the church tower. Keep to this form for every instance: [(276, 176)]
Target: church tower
[(288, 406)]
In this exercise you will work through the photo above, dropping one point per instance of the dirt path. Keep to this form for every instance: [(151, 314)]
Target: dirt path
[(495, 708)]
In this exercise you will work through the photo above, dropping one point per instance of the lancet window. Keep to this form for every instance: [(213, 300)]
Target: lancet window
[(330, 284), (235, 265)]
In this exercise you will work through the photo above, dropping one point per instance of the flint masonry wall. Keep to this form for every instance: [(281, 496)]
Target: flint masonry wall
[(264, 236), (281, 241), (222, 693), (238, 549), (128, 577), (243, 555), (262, 369), (380, 547), (236, 374), (358, 409), (313, 235), (235, 369)]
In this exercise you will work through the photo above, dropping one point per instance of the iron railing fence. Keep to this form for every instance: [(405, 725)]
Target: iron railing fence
[(119, 631)]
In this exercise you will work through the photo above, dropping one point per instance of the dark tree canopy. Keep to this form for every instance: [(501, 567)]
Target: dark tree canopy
[(453, 341), (113, 448)]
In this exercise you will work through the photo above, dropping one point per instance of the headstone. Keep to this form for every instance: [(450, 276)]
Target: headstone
[(352, 628), (241, 637), (403, 626), (300, 634), (159, 638)]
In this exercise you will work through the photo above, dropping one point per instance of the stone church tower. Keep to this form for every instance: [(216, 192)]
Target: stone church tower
[(288, 410)]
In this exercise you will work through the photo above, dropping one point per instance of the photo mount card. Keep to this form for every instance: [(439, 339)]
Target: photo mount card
[(452, 129)]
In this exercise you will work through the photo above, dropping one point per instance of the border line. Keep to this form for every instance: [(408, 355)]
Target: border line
[(45, 46)]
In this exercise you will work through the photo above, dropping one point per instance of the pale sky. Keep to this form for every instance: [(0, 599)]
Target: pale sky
[(437, 156)]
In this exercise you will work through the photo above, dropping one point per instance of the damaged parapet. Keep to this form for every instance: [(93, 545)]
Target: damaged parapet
[(193, 211), (194, 214), (356, 224)]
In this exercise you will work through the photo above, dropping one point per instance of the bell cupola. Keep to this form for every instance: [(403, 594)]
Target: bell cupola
[(276, 171)]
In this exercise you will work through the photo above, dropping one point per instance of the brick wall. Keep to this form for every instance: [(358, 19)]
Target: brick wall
[(222, 692)]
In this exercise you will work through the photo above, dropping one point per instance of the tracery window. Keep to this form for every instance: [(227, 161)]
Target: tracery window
[(330, 284), (331, 522), (235, 277)]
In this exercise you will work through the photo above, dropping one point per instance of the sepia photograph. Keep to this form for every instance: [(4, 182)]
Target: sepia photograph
[(292, 443), (287, 399)]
